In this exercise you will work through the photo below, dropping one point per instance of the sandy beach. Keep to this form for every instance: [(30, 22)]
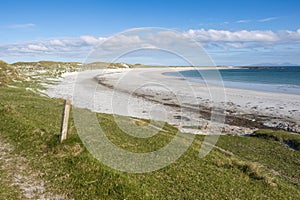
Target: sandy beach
[(148, 93)]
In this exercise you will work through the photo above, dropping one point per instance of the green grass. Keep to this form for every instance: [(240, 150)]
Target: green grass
[(8, 74), (283, 137), (260, 168), (31, 123), (277, 158), (46, 64)]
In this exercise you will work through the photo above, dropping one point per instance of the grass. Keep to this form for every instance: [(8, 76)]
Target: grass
[(45, 64), (277, 158), (8, 74), (259, 168), (45, 71), (291, 140)]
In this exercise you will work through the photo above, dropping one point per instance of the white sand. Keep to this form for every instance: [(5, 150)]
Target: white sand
[(147, 93)]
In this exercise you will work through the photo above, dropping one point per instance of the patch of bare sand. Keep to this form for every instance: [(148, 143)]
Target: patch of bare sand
[(20, 174)]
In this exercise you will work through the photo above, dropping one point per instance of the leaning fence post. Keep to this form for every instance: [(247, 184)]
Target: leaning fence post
[(65, 120)]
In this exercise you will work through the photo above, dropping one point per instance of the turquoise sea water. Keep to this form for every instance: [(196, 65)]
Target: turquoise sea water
[(271, 79)]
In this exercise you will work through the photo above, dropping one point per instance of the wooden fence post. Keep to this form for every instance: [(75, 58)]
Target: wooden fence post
[(65, 120)]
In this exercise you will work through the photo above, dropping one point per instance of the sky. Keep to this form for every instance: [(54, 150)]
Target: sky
[(231, 32)]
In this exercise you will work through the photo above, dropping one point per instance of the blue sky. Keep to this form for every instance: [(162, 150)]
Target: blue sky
[(232, 32)]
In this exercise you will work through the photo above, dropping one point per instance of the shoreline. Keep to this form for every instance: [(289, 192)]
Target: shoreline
[(263, 87), (147, 93)]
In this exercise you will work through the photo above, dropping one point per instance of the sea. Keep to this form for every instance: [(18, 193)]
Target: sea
[(285, 79)]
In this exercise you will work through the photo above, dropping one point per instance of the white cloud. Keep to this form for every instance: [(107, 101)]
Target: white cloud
[(121, 42), (212, 39), (268, 19), (37, 47), (57, 46), (57, 42), (243, 21), (22, 26), (268, 37), (90, 40), (237, 45)]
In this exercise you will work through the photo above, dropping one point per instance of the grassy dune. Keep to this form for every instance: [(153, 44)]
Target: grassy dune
[(256, 167), (8, 74)]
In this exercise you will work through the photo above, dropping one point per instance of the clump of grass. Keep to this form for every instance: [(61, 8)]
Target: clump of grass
[(252, 169), (139, 122), (276, 158), (290, 139)]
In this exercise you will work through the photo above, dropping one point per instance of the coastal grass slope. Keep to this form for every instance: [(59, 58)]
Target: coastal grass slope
[(240, 167), (8, 74)]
